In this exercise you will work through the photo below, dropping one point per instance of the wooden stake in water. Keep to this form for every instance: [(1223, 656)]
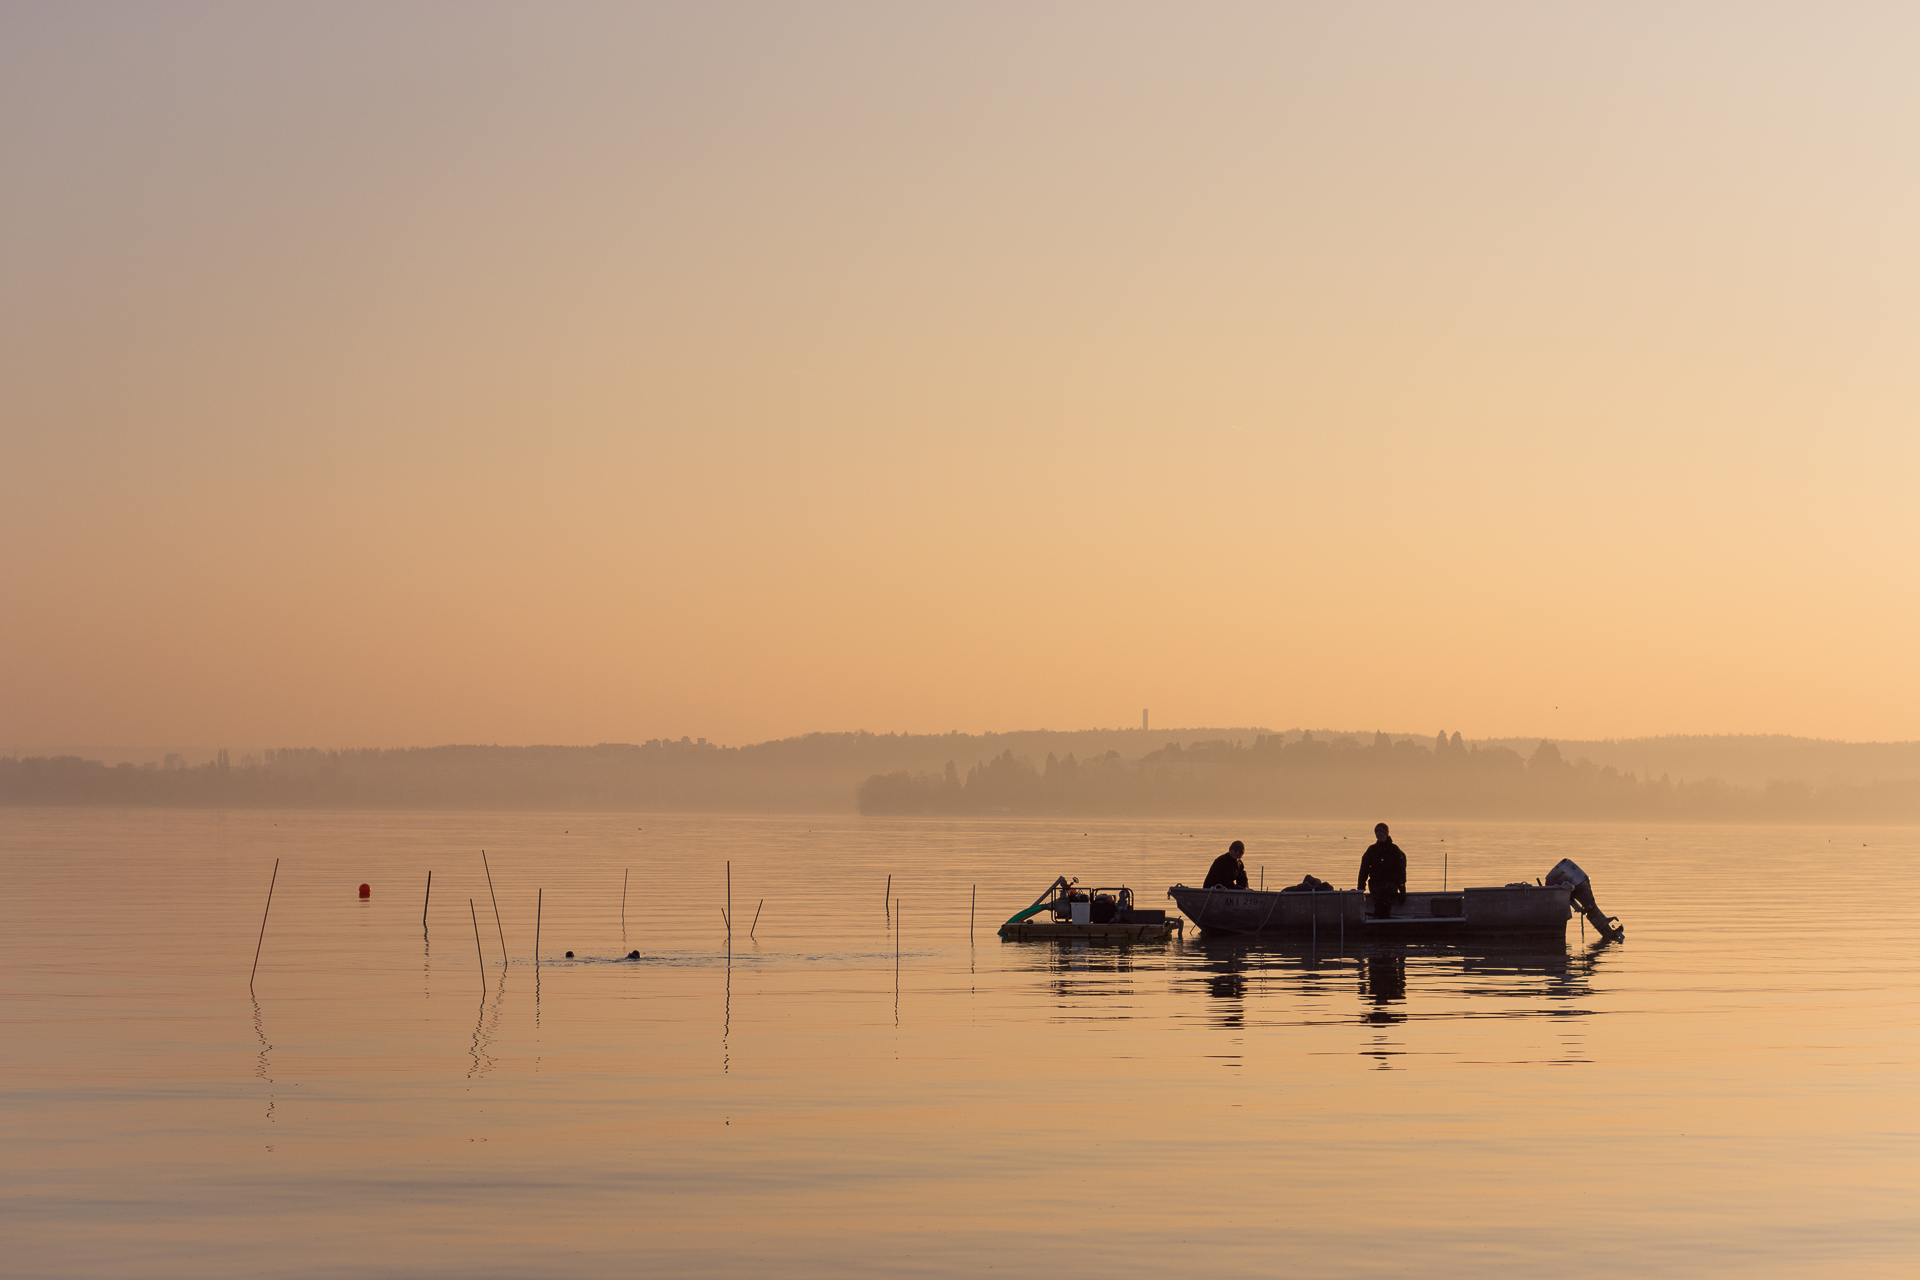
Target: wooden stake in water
[(263, 924), (429, 898), (623, 900), (539, 896), (889, 895), (756, 920), (476, 946), (972, 904), (496, 910)]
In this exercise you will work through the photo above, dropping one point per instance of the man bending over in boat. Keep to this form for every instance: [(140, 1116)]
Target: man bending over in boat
[(1386, 867), (1227, 871)]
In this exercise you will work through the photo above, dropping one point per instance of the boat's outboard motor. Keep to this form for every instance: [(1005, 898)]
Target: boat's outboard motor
[(1568, 872)]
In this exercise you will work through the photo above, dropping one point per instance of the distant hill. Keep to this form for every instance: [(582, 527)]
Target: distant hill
[(1744, 759), (1306, 774), (1246, 770)]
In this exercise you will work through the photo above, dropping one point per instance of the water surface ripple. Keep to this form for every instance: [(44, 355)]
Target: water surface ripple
[(863, 1088)]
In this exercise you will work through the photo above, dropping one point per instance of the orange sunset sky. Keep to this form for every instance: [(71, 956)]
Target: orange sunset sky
[(386, 375)]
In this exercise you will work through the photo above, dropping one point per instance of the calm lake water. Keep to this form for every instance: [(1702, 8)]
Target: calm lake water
[(1733, 1089)]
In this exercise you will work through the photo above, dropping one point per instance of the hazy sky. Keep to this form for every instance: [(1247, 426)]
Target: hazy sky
[(380, 374)]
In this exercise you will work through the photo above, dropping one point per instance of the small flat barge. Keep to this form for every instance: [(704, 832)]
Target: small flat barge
[(1066, 911), (1519, 908)]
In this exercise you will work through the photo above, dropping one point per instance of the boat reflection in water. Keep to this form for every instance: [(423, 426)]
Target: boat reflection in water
[(1092, 978), (1264, 982), (1383, 984)]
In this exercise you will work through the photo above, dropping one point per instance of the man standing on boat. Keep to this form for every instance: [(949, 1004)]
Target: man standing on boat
[(1227, 871), (1386, 867)]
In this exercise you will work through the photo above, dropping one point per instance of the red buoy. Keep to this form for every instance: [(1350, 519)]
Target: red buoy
[(365, 891)]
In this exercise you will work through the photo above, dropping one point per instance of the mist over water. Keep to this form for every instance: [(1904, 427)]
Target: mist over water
[(1727, 1090)]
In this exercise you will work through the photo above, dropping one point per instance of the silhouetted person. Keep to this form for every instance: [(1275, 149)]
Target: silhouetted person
[(1227, 871), (1385, 867)]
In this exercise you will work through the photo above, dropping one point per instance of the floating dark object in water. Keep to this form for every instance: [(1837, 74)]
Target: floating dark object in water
[(569, 955), (366, 891), (633, 955)]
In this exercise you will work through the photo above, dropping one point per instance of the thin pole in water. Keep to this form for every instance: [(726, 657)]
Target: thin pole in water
[(889, 896), (429, 898), (538, 901), (1446, 858), (476, 946), (623, 900), (496, 910), (756, 920), (263, 924), (973, 906)]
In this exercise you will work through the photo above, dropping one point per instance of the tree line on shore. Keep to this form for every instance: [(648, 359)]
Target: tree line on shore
[(1316, 777), (1080, 773)]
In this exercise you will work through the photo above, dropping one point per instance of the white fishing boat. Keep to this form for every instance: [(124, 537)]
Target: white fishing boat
[(1544, 906)]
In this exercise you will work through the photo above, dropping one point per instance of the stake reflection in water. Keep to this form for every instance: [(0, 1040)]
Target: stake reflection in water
[(260, 1065), (485, 1029)]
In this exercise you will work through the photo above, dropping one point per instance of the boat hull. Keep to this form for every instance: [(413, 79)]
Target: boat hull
[(1059, 930), (1518, 909), (1265, 911)]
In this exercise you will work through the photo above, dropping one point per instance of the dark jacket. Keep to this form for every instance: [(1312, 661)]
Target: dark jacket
[(1228, 872), (1386, 866)]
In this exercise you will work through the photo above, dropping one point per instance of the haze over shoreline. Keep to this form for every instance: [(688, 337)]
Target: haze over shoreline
[(1091, 772)]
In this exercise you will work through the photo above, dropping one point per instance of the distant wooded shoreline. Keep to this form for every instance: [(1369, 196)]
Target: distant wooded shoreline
[(1083, 773)]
